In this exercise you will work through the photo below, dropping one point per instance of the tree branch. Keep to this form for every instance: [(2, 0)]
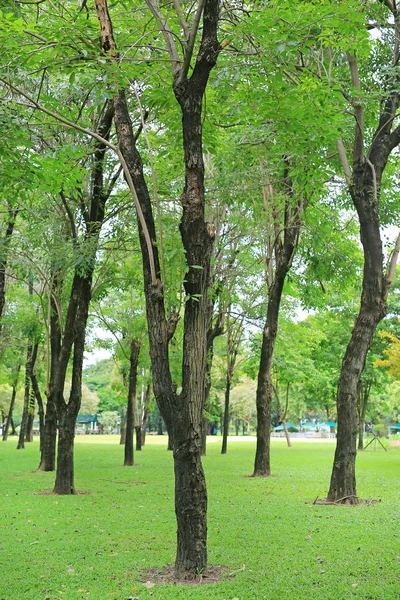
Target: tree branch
[(117, 151), (343, 160), (190, 44), (70, 217), (184, 25), (358, 148), (391, 268), (167, 33)]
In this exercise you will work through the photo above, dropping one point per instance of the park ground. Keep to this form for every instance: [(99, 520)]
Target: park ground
[(273, 541)]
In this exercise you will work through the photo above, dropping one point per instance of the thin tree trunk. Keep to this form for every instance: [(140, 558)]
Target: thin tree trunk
[(213, 331), (73, 339), (131, 407), (145, 412), (5, 242), (39, 400), (28, 370), (282, 413), (68, 412), (122, 438), (49, 438), (30, 417), (284, 249), (12, 403), (138, 432), (226, 415), (364, 391)]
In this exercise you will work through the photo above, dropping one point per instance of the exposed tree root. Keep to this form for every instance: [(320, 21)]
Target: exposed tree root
[(167, 574), (345, 501)]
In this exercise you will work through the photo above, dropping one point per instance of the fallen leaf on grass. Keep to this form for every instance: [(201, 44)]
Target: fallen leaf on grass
[(149, 585)]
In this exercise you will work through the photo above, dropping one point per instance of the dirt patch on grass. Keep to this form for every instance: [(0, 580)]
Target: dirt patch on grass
[(154, 576)]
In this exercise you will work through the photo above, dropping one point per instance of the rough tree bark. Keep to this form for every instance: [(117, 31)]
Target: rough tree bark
[(364, 188), (39, 401), (131, 406), (181, 412), (28, 371), (282, 249), (49, 437)]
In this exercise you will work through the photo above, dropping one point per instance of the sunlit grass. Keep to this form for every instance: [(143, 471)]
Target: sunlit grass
[(267, 532)]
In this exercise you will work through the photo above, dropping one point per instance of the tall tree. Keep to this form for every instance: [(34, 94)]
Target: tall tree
[(181, 412), (284, 218), (370, 155)]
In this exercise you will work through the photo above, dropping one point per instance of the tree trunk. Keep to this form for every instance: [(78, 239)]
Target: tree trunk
[(226, 415), (131, 407), (29, 427), (49, 439), (39, 400), (372, 309), (364, 390), (213, 331), (67, 412), (282, 413), (191, 511), (12, 214), (365, 187), (138, 431), (287, 436), (122, 438), (64, 484), (145, 412), (284, 249), (31, 415), (72, 340), (12, 403), (28, 371)]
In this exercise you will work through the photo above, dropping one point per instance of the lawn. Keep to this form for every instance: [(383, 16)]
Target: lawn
[(274, 543)]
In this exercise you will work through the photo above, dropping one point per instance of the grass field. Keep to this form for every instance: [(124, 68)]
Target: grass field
[(274, 542)]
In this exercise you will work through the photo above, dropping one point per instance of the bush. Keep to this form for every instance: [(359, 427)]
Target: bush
[(381, 429)]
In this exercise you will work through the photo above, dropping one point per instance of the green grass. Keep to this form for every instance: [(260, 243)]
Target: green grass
[(280, 546)]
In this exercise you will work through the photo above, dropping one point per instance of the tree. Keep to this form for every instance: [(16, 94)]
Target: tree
[(181, 412), (369, 160), (234, 337)]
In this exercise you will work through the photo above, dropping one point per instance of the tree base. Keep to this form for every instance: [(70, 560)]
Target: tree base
[(345, 501), (168, 574)]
